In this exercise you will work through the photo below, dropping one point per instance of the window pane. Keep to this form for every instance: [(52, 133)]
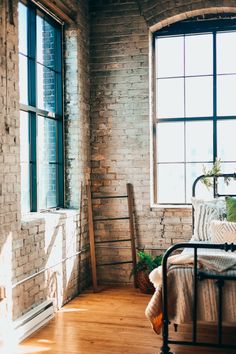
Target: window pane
[(222, 186), (199, 141), (199, 54), (24, 137), (170, 98), (226, 142), (170, 181), (25, 162), (226, 57), (47, 185), (47, 139), (23, 37), (23, 79), (194, 170), (45, 43), (47, 157), (25, 187), (169, 65), (199, 97), (46, 87), (170, 142), (226, 95)]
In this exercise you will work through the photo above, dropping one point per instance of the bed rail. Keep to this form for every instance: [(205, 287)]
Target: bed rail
[(197, 276)]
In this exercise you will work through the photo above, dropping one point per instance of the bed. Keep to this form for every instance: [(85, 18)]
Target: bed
[(197, 285)]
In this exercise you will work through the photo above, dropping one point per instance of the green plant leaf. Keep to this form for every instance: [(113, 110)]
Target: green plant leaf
[(146, 263), (215, 170)]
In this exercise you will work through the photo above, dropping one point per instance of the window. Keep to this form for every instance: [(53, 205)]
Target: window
[(195, 109), (40, 76)]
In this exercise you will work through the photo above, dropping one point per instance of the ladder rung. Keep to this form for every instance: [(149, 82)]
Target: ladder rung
[(113, 263), (110, 196), (108, 219), (111, 241), (130, 218)]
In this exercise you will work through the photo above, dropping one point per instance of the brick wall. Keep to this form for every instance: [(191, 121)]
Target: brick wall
[(161, 13), (120, 138), (43, 246), (9, 156)]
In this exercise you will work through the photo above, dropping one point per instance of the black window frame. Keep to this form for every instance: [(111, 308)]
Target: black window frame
[(213, 25), (34, 112)]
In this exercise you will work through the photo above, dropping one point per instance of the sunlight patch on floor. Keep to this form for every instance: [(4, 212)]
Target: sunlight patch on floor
[(45, 341), (72, 310), (22, 349)]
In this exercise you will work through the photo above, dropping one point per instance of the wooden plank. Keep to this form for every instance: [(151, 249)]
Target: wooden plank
[(109, 322), (131, 225), (91, 240)]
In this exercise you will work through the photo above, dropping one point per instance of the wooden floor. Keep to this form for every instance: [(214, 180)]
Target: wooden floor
[(109, 322)]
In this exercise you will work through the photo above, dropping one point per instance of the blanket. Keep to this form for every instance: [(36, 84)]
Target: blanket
[(180, 288)]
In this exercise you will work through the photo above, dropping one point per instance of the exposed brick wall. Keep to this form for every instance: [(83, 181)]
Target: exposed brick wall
[(9, 155), (33, 243), (162, 13), (120, 140)]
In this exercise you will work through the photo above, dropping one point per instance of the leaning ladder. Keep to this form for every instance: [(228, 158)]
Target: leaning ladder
[(131, 239)]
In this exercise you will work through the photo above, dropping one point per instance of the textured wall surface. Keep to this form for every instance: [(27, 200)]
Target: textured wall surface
[(44, 247)]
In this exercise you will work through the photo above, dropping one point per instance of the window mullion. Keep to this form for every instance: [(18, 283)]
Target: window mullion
[(214, 108), (185, 162), (59, 110), (33, 160), (32, 102), (214, 99)]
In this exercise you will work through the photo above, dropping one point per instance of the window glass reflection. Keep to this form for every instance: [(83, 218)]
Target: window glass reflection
[(226, 142), (169, 65), (23, 35), (226, 102), (23, 79), (46, 50), (226, 55), (46, 88), (194, 170), (199, 96), (47, 157), (224, 188), (170, 179), (199, 54), (170, 98), (170, 142), (199, 141)]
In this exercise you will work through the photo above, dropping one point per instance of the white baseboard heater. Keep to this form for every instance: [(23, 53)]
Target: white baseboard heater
[(33, 320)]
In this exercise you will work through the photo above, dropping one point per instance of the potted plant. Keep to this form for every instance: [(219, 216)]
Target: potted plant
[(142, 269)]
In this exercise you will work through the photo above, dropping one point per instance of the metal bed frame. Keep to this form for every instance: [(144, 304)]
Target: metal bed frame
[(197, 276)]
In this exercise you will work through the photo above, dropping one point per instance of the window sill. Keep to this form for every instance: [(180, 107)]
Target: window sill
[(170, 207), (38, 218)]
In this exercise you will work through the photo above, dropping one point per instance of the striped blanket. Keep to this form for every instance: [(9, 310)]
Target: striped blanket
[(180, 289)]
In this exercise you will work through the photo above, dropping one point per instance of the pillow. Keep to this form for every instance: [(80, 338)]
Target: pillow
[(230, 208), (223, 231), (204, 212)]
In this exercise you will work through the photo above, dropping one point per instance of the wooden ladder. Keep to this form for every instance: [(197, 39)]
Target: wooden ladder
[(131, 239)]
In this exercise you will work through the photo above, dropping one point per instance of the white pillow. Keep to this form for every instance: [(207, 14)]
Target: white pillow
[(223, 231), (204, 213)]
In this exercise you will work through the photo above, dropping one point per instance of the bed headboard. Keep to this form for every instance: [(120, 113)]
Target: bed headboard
[(215, 192)]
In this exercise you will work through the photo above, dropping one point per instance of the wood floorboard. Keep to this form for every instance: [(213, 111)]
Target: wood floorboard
[(109, 322)]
